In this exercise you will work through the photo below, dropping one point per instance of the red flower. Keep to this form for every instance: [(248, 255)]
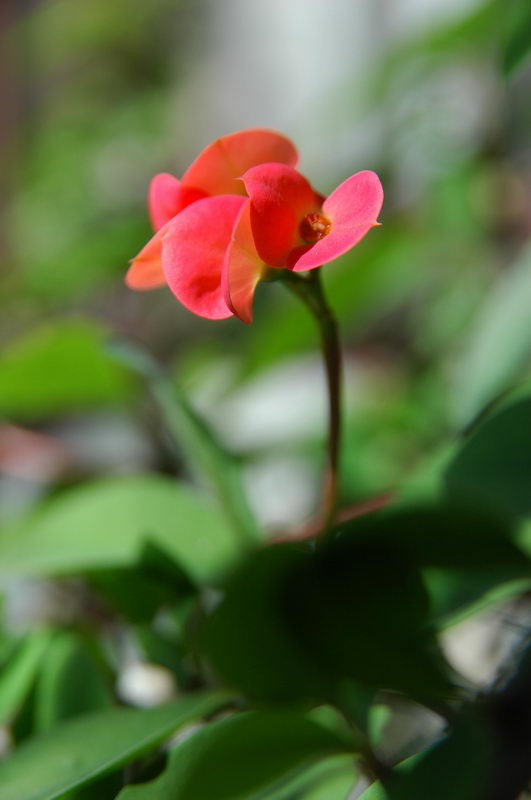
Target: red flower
[(215, 249), (295, 227), (216, 171)]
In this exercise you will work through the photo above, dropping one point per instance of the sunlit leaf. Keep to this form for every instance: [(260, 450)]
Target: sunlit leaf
[(18, 675), (107, 523), (71, 682), (57, 368), (335, 783), (240, 758), (81, 750)]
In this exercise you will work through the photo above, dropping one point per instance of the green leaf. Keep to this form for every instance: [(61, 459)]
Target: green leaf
[(499, 343), (81, 750), (18, 675), (246, 637), (493, 467), (240, 758), (466, 557), (335, 782), (41, 374), (517, 44), (337, 606), (158, 580), (71, 682), (107, 523), (203, 451)]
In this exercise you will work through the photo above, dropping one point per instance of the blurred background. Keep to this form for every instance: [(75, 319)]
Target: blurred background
[(433, 306), (97, 97)]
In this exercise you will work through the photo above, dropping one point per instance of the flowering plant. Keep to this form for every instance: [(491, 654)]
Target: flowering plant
[(242, 213), (240, 210), (287, 648)]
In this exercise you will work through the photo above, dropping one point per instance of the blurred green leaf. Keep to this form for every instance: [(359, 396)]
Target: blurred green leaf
[(517, 41), (325, 615), (158, 581), (246, 637), (498, 345), (425, 483), (97, 27), (18, 675), (493, 467), (335, 782), (203, 451), (107, 523), (333, 774), (240, 758), (337, 606), (379, 716), (81, 750), (71, 682), (57, 368), (374, 792), (464, 555), (140, 605)]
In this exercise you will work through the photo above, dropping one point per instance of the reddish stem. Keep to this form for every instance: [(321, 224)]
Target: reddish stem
[(310, 290)]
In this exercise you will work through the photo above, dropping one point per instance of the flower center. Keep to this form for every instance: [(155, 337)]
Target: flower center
[(314, 227)]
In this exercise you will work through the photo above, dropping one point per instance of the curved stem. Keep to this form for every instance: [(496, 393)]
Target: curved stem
[(310, 290)]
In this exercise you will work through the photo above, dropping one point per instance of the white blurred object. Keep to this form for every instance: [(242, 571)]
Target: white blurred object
[(479, 646), (301, 66), (269, 417), (281, 491), (283, 405), (145, 684)]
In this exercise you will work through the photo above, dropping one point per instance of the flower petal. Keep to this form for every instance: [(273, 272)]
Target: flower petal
[(146, 270), (193, 252), (218, 168), (280, 197), (167, 196), (353, 210), (243, 267)]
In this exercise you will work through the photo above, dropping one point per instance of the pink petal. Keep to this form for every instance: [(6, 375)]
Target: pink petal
[(193, 253), (167, 196), (353, 210), (243, 267), (146, 270), (280, 197), (219, 166)]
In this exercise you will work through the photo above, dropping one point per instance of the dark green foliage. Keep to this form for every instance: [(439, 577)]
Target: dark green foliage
[(517, 40), (248, 638), (493, 468), (74, 679)]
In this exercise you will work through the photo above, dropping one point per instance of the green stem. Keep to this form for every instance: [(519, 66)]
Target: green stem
[(310, 290)]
